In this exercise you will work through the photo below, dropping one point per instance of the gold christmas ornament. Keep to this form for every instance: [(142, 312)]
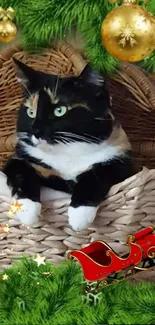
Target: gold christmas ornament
[(8, 29), (128, 32)]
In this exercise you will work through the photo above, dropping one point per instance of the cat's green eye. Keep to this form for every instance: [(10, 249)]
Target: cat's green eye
[(60, 111), (31, 112)]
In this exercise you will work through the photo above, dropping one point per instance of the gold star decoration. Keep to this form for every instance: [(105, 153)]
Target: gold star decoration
[(4, 229), (39, 260), (5, 276), (48, 274), (15, 207)]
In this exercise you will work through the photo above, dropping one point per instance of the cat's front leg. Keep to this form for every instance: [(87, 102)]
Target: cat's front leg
[(92, 188), (24, 185), (88, 193)]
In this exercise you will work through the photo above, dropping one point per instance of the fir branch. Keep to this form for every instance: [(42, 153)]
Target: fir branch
[(30, 296), (44, 21), (149, 63), (150, 6)]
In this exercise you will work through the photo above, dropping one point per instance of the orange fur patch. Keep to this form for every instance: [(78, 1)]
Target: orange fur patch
[(42, 171), (119, 138), (32, 101)]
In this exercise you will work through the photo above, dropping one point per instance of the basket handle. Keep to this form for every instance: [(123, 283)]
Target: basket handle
[(8, 143), (7, 52), (142, 80), (73, 55)]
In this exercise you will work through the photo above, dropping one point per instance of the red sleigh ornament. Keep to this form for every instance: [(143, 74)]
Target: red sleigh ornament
[(101, 264)]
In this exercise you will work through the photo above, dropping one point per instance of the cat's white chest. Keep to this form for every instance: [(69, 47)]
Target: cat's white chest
[(72, 159)]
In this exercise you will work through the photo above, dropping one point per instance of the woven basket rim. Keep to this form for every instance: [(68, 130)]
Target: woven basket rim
[(137, 81), (73, 55)]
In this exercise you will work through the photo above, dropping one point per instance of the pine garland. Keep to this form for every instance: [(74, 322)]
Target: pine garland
[(43, 21), (48, 294)]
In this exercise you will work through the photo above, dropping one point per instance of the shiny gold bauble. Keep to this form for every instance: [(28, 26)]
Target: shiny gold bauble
[(128, 32), (8, 31)]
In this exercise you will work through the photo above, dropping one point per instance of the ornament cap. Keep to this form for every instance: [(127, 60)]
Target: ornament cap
[(129, 2), (8, 14)]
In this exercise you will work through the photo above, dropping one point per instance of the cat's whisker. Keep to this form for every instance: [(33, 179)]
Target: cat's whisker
[(24, 85), (74, 136), (57, 141), (78, 137), (56, 86), (69, 134), (22, 135), (92, 136), (62, 140), (102, 119)]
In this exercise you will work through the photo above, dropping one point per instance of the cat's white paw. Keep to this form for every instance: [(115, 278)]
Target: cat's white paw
[(4, 188), (30, 212), (81, 217)]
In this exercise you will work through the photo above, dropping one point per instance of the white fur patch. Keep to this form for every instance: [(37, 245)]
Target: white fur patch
[(30, 212), (48, 194), (74, 158), (81, 217), (34, 140), (4, 188)]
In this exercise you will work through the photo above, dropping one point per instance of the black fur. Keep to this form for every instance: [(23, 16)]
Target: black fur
[(23, 179), (91, 187)]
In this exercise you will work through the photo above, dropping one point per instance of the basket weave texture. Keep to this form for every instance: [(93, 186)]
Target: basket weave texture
[(130, 205), (133, 98)]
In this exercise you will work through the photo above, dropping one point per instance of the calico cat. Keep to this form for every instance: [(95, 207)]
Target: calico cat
[(68, 140)]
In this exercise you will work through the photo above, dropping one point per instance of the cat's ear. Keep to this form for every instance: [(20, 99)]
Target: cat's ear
[(92, 76), (25, 74)]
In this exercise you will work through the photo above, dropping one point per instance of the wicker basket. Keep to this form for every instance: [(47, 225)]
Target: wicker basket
[(133, 93), (130, 205)]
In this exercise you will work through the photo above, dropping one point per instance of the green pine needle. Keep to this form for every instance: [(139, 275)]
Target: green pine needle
[(51, 294), (43, 21)]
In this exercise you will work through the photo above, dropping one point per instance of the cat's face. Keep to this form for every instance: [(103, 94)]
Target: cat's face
[(63, 109)]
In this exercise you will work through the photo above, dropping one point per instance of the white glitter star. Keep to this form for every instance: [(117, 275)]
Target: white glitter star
[(39, 260), (5, 276)]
